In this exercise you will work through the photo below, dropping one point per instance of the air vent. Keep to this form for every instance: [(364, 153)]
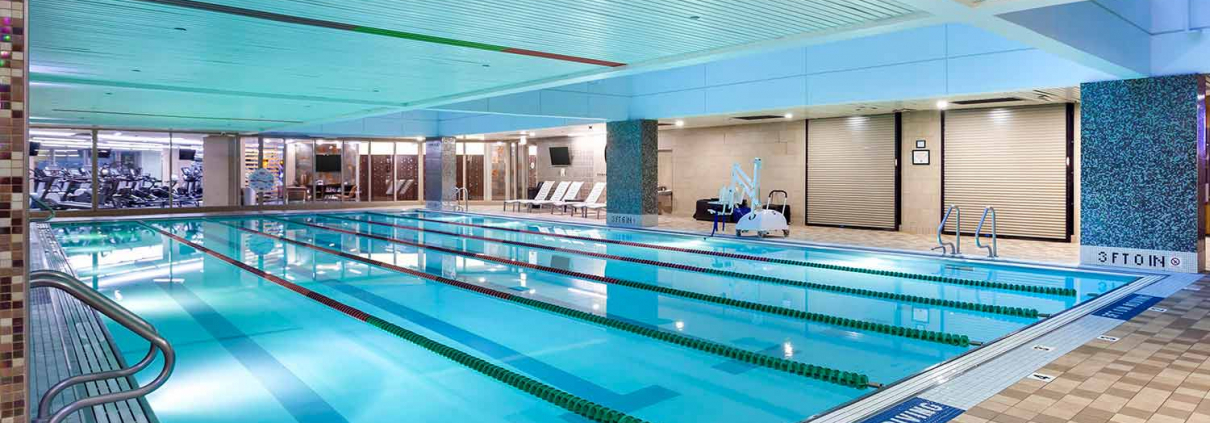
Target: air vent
[(987, 101), (759, 117)]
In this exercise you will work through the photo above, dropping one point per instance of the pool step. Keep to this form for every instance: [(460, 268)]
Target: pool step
[(68, 338)]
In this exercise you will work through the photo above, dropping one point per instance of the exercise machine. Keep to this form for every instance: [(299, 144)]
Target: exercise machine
[(760, 219)]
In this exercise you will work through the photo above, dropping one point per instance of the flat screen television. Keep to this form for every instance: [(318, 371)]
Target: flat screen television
[(34, 146), (184, 155), (327, 163), (560, 156), (102, 153)]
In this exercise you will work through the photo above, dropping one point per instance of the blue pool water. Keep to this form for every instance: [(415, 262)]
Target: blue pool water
[(247, 346)]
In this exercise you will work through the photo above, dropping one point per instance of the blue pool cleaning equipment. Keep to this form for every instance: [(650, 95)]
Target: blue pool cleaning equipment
[(758, 219)]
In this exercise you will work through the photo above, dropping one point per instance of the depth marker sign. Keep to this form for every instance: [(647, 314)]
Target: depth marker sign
[(916, 410)]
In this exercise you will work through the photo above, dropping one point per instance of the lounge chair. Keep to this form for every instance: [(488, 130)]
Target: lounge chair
[(572, 192), (593, 196), (590, 203), (561, 191), (543, 191)]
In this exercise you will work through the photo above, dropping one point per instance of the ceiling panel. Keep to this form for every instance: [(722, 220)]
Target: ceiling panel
[(340, 56)]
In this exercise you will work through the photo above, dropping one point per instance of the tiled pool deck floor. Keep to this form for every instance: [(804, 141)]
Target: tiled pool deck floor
[(1158, 371)]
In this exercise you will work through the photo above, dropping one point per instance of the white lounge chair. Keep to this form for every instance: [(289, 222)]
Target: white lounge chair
[(590, 203), (571, 194), (543, 192), (593, 196), (563, 190)]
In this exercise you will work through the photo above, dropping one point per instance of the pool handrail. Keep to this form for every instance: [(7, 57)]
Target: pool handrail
[(72, 286), (991, 249), (955, 247), (44, 207)]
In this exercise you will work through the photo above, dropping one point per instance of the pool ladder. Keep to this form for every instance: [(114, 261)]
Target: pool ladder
[(991, 249), (461, 200), (954, 248), (69, 284)]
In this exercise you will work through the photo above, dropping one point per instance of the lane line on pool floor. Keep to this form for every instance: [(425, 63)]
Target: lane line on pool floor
[(1068, 292), (983, 308), (821, 373), (913, 333), (555, 396)]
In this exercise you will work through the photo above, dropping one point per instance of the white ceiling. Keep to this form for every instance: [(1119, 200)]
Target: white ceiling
[(264, 64)]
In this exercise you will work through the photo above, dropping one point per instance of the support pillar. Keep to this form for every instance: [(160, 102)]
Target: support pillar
[(1142, 183), (631, 156), (439, 171), (223, 164)]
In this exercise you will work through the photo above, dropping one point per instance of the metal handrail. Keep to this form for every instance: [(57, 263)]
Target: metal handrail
[(44, 206), (462, 199), (955, 247), (991, 249), (74, 287)]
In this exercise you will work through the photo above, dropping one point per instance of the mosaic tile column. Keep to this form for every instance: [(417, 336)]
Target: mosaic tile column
[(1143, 154), (440, 169), (13, 206), (630, 150)]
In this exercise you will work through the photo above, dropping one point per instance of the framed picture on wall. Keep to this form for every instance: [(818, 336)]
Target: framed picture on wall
[(920, 144), (920, 157)]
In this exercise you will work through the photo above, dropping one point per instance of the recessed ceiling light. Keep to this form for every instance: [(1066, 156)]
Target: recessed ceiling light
[(789, 116), (180, 29), (680, 123), (942, 104), (695, 17), (532, 133)]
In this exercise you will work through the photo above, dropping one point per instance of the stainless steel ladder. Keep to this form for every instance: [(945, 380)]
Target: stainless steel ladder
[(461, 200), (61, 281), (955, 248), (991, 249)]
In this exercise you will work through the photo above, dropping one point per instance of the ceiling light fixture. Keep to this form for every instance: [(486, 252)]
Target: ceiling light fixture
[(942, 104), (524, 140), (679, 123), (789, 116)]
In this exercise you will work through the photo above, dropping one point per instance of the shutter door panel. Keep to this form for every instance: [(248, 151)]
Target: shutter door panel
[(851, 171), (1013, 159)]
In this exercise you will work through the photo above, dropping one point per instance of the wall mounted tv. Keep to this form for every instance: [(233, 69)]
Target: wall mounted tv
[(186, 155), (327, 163), (560, 156)]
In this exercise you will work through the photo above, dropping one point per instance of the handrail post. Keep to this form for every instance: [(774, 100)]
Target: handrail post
[(44, 206), (74, 287), (991, 249), (958, 231), (941, 228)]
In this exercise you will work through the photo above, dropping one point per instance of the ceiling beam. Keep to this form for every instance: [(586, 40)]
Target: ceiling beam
[(990, 15)]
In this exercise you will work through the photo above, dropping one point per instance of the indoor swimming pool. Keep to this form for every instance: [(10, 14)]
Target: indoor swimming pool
[(431, 316)]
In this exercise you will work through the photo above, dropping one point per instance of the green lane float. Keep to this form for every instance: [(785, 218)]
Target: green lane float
[(550, 394), (925, 335), (850, 379), (1034, 289), (963, 305)]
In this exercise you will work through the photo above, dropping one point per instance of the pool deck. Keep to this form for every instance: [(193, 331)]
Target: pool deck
[(1158, 371), (1058, 252)]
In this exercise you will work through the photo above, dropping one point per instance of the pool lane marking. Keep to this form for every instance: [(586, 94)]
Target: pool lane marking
[(821, 373), (931, 278), (636, 400), (913, 333), (302, 402), (963, 305), (560, 398)]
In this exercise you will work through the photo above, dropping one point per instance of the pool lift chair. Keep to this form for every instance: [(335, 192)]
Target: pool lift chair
[(761, 220)]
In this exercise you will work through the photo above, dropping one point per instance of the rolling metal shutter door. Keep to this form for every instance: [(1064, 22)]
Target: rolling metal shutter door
[(851, 172), (1013, 159)]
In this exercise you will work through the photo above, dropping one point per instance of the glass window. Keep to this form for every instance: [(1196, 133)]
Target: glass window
[(60, 168), (500, 170), (407, 171), (132, 168), (382, 170), (299, 171), (474, 165), (273, 158), (185, 169), (355, 171)]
